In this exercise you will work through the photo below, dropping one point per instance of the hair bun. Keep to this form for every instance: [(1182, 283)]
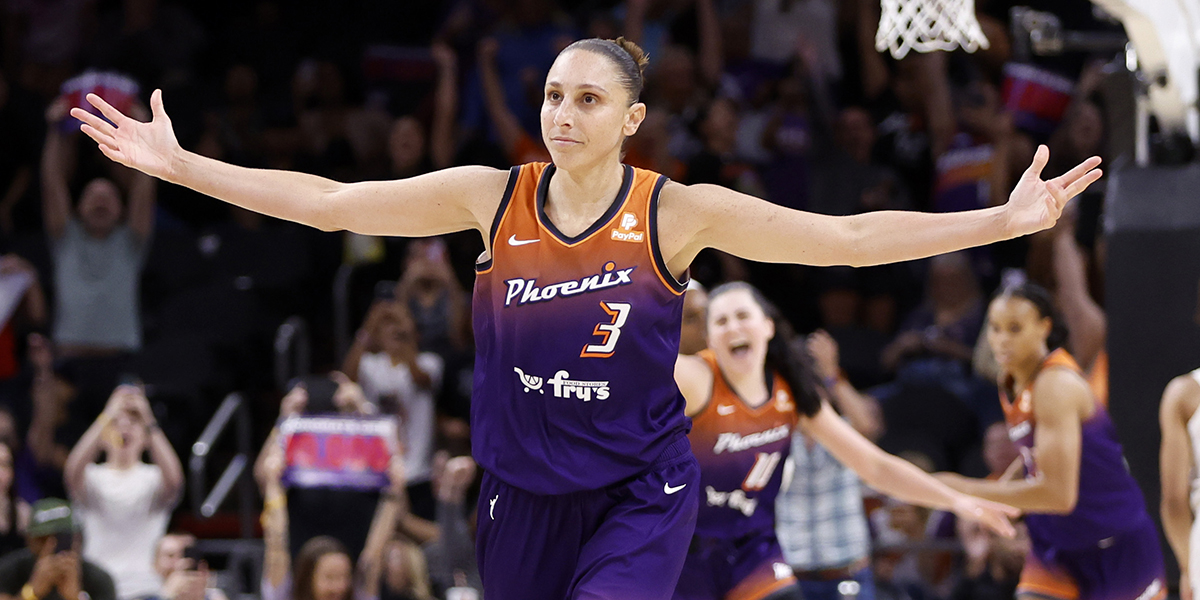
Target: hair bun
[(640, 58)]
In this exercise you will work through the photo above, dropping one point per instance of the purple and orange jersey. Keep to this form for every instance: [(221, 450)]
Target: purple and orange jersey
[(741, 451), (1105, 549), (1109, 497), (577, 338)]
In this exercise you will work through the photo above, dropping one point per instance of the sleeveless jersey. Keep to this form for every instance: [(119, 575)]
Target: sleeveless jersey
[(576, 342), (1109, 500), (741, 451)]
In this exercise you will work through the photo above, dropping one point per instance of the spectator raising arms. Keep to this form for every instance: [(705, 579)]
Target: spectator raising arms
[(323, 569), (124, 504), (98, 252)]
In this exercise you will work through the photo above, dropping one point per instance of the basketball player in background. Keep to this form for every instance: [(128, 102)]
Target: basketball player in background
[(1091, 536), (1178, 461), (590, 489)]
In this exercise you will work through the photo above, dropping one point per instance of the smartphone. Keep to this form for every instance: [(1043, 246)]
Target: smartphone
[(193, 553), (64, 541), (321, 390)]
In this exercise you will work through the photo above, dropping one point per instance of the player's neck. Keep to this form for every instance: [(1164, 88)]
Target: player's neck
[(585, 187), (750, 386), (1023, 373)]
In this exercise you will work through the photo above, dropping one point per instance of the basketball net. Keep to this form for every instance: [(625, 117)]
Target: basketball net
[(928, 25)]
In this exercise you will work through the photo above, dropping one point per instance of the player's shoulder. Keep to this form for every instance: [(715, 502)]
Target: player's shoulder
[(1181, 397), (1062, 389)]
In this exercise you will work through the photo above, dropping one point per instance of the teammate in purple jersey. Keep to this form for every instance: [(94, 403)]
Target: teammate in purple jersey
[(1092, 538), (575, 485), (745, 394)]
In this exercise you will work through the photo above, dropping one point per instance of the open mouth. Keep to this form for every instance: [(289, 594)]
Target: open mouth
[(739, 349)]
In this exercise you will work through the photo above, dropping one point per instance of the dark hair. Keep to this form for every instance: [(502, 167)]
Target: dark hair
[(1044, 303), (306, 565), (629, 58), (786, 354)]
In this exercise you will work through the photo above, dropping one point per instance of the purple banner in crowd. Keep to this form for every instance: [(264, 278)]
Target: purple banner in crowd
[(338, 452)]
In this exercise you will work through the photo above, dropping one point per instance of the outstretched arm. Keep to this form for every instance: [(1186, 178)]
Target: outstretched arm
[(707, 216), (1055, 489), (897, 477), (436, 203)]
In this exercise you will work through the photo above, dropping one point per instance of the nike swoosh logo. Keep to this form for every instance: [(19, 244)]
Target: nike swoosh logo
[(513, 241), (724, 409), (671, 490)]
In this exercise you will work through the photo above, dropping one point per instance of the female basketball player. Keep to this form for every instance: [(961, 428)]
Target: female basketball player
[(576, 418), (1092, 538), (745, 394), (1178, 461)]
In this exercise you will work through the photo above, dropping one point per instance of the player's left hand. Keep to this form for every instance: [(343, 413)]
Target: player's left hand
[(993, 515), (1035, 204)]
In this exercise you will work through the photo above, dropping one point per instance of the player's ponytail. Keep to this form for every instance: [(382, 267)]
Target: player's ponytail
[(786, 353), (628, 57)]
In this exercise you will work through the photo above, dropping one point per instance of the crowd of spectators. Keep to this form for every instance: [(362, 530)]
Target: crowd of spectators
[(136, 306)]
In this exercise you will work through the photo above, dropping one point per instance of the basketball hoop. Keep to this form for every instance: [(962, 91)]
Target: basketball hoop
[(928, 25)]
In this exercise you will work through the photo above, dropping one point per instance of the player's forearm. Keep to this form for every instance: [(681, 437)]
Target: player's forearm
[(1177, 526), (895, 236), (1029, 495), (905, 481), (287, 195)]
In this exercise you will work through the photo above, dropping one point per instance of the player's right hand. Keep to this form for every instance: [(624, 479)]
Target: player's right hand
[(148, 147), (993, 515)]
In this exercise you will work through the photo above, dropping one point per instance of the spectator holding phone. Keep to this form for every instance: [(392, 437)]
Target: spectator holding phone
[(400, 380), (50, 566), (124, 504), (184, 576)]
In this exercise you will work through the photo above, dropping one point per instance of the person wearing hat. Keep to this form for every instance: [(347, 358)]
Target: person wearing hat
[(48, 568)]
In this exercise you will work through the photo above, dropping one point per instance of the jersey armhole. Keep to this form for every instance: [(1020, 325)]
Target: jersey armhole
[(513, 174), (660, 265)]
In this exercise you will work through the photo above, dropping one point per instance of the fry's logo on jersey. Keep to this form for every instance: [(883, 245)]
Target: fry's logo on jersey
[(736, 442), (525, 291), (564, 387), (625, 232), (736, 500)]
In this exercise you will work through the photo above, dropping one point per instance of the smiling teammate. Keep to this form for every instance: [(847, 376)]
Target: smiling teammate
[(746, 394), (579, 289)]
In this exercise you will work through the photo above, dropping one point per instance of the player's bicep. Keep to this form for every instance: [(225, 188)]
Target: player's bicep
[(431, 204), (1062, 399), (711, 216)]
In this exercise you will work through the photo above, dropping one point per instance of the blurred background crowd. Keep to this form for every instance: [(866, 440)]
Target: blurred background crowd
[(140, 305)]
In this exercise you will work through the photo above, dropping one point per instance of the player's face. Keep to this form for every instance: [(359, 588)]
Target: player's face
[(585, 110), (738, 331), (1016, 332)]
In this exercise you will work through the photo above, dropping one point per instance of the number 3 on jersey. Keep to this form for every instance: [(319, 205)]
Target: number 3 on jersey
[(609, 332)]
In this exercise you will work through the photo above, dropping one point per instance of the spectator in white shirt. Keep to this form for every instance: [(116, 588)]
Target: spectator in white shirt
[(124, 504), (400, 380)]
